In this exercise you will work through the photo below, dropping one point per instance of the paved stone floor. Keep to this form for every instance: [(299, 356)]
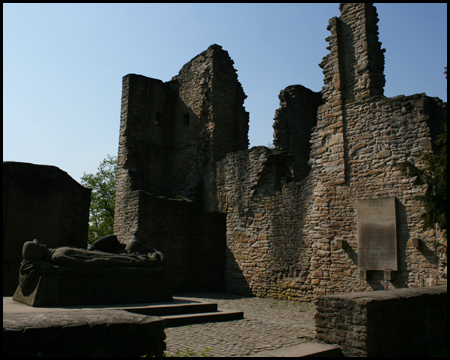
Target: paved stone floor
[(268, 324)]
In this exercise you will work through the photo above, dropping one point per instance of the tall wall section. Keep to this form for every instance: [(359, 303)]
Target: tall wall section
[(284, 236), (293, 125), (171, 135), (266, 254)]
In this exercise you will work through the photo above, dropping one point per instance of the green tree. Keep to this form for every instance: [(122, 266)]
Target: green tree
[(103, 185)]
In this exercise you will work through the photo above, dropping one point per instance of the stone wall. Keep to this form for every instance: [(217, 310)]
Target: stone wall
[(402, 322), (285, 218), (193, 242), (171, 135), (295, 237), (293, 125), (40, 202), (265, 249), (283, 236)]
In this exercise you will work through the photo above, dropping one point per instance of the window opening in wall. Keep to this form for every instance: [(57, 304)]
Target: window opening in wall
[(158, 118), (186, 119)]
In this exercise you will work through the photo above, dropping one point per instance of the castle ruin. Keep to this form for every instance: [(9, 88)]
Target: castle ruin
[(279, 222)]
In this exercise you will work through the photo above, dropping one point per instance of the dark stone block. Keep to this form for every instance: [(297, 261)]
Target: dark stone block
[(43, 202), (401, 322), (64, 286), (83, 333)]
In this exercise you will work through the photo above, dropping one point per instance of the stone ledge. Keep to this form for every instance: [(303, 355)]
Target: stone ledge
[(82, 333), (391, 294), (407, 322), (303, 350)]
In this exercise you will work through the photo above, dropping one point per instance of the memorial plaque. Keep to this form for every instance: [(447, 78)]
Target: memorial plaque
[(377, 234)]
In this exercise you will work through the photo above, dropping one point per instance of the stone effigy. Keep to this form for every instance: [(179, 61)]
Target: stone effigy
[(107, 273)]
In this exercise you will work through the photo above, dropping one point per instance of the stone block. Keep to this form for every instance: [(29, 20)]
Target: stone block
[(64, 286), (397, 319), (103, 333), (40, 202)]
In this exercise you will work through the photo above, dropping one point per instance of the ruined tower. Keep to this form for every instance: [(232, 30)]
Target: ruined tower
[(353, 71), (171, 135), (354, 68)]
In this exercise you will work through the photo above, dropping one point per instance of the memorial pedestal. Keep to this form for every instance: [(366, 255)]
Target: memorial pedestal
[(66, 286)]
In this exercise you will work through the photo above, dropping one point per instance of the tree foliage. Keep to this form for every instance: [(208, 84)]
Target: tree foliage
[(103, 185)]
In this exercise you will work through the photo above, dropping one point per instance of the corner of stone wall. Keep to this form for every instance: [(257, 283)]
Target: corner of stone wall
[(402, 322)]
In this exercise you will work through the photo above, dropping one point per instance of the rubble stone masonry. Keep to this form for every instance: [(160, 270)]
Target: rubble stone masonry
[(171, 135), (281, 221), (285, 231)]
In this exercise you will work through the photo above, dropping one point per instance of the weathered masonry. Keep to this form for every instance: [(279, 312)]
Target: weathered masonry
[(359, 322), (171, 136), (280, 222)]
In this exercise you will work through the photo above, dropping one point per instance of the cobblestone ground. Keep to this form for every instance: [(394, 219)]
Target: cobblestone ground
[(268, 324)]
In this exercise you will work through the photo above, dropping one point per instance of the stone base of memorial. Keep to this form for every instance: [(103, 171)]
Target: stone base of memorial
[(65, 286)]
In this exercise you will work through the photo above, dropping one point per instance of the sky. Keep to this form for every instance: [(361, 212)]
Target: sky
[(63, 64)]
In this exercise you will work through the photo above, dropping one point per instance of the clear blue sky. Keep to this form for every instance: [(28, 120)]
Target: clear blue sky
[(63, 64)]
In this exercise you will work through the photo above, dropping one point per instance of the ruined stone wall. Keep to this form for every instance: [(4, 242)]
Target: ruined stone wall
[(380, 134), (284, 236), (144, 146), (209, 87), (171, 135), (293, 125), (355, 65), (266, 253), (287, 225)]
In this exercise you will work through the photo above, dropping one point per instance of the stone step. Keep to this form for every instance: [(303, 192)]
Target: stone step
[(174, 309), (177, 313), (187, 314), (199, 318), (81, 333), (303, 350)]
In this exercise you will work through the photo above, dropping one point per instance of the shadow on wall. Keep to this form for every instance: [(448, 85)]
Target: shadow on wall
[(401, 276), (211, 248), (193, 242), (347, 59), (235, 281)]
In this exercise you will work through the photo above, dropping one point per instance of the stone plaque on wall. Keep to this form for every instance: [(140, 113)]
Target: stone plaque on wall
[(377, 234)]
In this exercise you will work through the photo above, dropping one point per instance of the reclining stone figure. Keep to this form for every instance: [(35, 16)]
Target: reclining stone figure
[(135, 254), (130, 272)]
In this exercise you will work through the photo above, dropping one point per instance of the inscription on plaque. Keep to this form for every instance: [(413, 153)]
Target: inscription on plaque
[(377, 234)]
